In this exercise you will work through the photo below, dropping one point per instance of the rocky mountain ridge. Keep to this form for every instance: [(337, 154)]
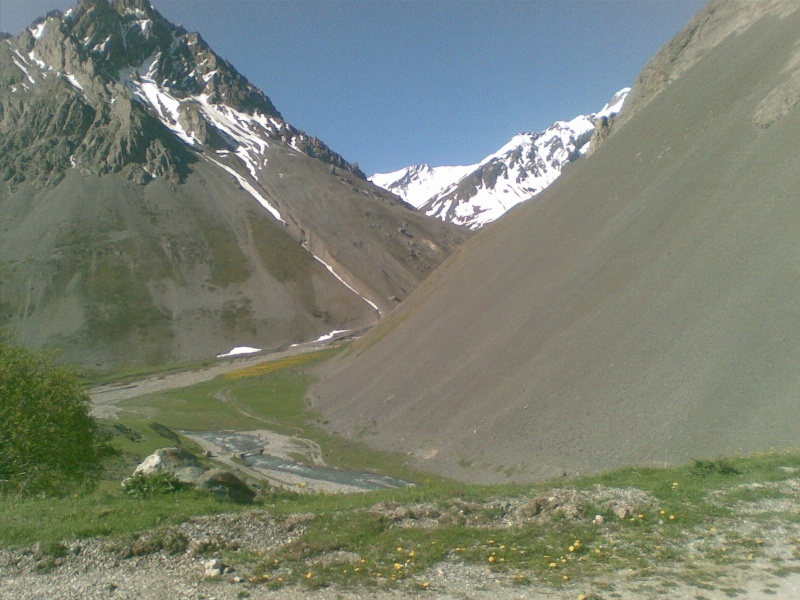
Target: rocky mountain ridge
[(476, 195), (100, 48), (706, 30), (149, 190)]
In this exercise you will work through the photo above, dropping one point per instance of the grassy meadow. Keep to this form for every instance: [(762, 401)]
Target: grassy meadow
[(648, 521)]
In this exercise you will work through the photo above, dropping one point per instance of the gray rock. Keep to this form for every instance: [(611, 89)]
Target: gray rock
[(181, 463), (186, 468), (389, 511), (213, 568), (227, 485)]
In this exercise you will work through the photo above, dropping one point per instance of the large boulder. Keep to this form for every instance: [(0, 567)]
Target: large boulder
[(182, 464), (226, 485), (186, 468)]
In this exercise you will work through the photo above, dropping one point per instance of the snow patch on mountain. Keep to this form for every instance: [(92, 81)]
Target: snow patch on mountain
[(419, 183), (18, 61), (142, 84), (74, 81), (248, 132), (248, 187), (37, 31), (614, 105), (475, 195), (333, 272), (239, 350)]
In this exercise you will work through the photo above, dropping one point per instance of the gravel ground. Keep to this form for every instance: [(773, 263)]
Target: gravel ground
[(90, 571), (137, 569)]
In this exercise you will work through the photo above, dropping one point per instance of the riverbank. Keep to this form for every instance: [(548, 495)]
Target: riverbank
[(288, 462)]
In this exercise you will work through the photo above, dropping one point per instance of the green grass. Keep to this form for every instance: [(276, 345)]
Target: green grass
[(371, 551), (544, 551), (348, 543), (650, 544), (266, 396), (105, 510), (270, 395), (274, 396)]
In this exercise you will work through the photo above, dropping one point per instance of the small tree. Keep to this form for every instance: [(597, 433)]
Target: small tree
[(48, 440)]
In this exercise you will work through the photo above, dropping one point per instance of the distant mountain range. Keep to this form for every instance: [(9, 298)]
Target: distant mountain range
[(156, 206), (474, 195)]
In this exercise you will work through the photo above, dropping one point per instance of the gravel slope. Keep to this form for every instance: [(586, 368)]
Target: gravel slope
[(643, 310)]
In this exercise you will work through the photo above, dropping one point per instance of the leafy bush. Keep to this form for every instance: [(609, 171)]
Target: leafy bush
[(166, 433), (161, 482), (48, 441), (704, 468)]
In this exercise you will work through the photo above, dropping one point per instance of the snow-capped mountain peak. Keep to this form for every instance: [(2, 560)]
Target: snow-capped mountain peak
[(475, 195), (123, 51), (615, 104), (418, 183)]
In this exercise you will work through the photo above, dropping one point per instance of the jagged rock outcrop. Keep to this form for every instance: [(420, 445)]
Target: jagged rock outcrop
[(101, 48), (718, 20)]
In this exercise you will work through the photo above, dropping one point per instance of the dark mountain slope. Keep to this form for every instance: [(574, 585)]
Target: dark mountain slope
[(643, 311), (107, 269), (155, 206)]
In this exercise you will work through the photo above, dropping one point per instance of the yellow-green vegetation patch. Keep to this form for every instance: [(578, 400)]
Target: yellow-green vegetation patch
[(271, 396), (306, 359)]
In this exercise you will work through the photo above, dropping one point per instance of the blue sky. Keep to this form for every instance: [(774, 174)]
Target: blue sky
[(389, 83)]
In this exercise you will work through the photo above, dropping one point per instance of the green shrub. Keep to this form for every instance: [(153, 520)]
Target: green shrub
[(161, 482), (166, 433), (705, 468), (48, 441)]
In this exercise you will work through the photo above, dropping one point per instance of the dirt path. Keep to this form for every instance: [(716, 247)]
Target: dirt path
[(105, 398)]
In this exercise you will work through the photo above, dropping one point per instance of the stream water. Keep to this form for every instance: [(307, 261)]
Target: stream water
[(242, 443)]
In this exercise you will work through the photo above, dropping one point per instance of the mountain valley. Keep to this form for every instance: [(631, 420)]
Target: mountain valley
[(452, 391)]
